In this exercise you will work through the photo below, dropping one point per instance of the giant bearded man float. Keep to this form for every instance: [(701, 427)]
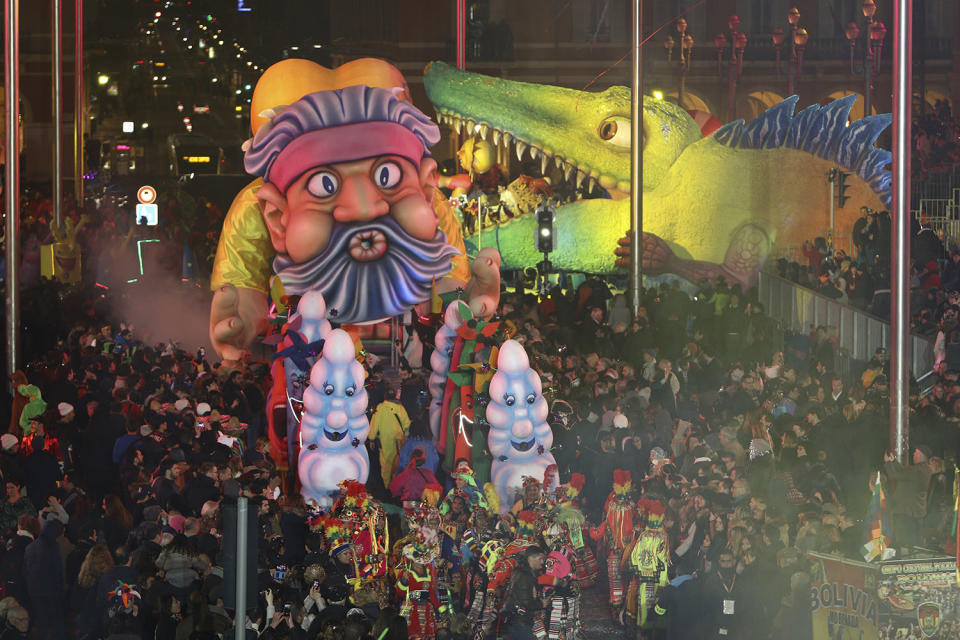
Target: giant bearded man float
[(346, 204), (346, 208)]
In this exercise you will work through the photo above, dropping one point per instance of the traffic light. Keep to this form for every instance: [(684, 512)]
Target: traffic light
[(842, 187), (546, 233)]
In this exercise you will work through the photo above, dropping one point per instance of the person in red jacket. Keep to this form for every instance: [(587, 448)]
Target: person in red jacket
[(408, 485)]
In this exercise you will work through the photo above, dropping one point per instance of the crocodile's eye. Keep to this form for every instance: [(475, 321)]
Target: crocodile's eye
[(616, 130)]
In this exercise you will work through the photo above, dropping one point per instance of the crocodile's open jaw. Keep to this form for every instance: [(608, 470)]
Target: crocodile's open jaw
[(573, 173)]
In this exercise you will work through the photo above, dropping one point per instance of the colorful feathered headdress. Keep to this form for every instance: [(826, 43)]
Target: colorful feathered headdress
[(420, 551), (431, 494), (527, 524), (622, 482), (577, 480), (125, 593), (493, 498), (338, 535), (549, 476), (652, 511)]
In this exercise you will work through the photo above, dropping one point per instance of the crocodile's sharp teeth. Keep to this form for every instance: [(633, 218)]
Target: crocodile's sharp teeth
[(484, 130), (534, 152), (507, 138), (581, 176), (544, 161), (557, 160), (458, 125), (567, 170), (521, 148), (496, 137), (471, 125), (591, 184)]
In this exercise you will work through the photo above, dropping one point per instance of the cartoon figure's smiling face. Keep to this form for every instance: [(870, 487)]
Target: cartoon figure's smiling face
[(336, 400), (517, 411)]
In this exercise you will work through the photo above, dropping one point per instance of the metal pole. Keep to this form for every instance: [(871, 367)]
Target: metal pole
[(793, 62), (462, 35), (12, 180), (680, 84), (900, 289), (732, 85), (868, 74), (240, 615), (78, 117), (831, 180), (57, 37), (636, 162)]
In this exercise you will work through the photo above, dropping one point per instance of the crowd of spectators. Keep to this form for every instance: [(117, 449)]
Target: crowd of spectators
[(118, 456), (935, 139)]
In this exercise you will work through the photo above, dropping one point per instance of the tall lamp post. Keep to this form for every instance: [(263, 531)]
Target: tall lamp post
[(686, 52), (876, 33), (738, 39), (798, 44)]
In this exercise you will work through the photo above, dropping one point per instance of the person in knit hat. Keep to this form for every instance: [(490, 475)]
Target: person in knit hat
[(342, 567), (10, 461)]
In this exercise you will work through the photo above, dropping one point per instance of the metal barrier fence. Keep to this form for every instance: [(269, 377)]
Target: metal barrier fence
[(797, 309), (942, 215), (935, 184)]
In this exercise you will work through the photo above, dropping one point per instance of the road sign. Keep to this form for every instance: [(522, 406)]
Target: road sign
[(148, 214), (146, 194)]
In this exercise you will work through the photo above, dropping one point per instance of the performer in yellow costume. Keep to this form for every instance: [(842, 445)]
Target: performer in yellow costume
[(389, 426)]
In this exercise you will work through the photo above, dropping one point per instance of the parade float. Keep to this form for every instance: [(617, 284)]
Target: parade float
[(346, 219)]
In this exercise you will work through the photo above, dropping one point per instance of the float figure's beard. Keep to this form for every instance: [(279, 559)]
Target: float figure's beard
[(369, 270)]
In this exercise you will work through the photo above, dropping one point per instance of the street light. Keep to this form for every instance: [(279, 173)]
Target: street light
[(876, 32), (686, 52), (798, 44), (738, 40)]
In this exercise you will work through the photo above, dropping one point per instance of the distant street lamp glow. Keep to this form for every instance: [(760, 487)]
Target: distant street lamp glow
[(658, 95), (127, 126), (103, 79)]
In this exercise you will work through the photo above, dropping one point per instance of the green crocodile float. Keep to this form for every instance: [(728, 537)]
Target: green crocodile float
[(717, 205)]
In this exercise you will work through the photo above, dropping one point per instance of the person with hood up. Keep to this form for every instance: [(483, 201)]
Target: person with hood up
[(408, 485), (930, 276), (43, 573)]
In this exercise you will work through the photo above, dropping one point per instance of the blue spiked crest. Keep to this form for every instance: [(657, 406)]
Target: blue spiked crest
[(823, 132)]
